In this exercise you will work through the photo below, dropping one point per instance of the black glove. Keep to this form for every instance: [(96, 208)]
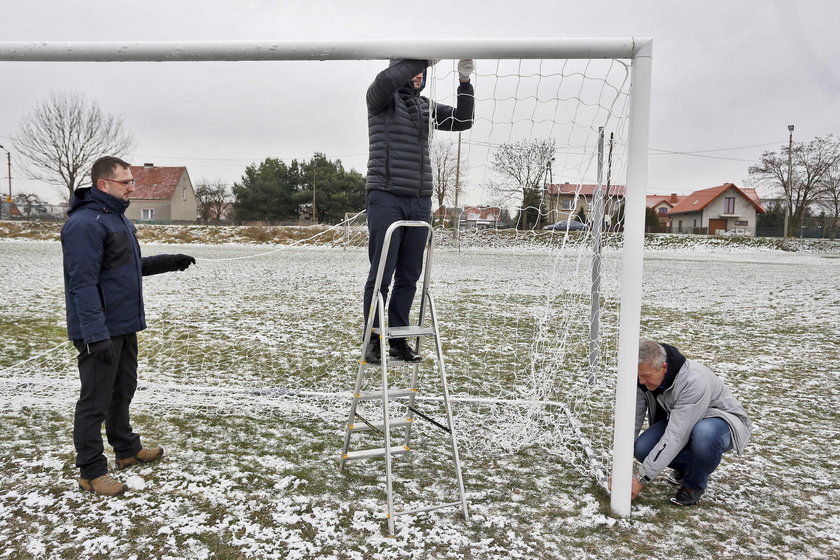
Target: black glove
[(102, 350), (166, 263), (181, 262)]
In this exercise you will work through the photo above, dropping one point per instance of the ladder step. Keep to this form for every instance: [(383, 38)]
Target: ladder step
[(410, 331), (362, 427), (372, 453), (392, 394)]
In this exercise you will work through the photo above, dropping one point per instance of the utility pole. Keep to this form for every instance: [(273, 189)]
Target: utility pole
[(313, 195), (9, 163), (788, 187)]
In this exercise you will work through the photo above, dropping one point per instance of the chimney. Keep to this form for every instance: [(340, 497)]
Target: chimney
[(148, 165), (673, 197)]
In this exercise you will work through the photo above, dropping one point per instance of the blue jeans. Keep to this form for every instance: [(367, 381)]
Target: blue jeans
[(709, 439), (405, 257)]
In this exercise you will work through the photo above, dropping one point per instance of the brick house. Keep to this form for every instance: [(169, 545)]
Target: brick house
[(716, 209), (162, 194), (564, 201)]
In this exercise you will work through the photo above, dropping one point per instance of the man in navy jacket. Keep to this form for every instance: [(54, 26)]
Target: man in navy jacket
[(399, 181), (103, 291)]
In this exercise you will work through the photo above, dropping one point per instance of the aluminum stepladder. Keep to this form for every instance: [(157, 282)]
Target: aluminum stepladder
[(386, 394)]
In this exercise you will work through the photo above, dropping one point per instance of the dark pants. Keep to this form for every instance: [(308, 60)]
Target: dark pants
[(106, 393), (405, 257), (709, 439)]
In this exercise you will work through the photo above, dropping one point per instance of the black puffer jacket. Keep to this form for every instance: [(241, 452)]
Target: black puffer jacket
[(398, 129)]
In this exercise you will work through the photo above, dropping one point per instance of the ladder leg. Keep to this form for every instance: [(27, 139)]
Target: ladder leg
[(375, 307), (389, 489), (453, 436)]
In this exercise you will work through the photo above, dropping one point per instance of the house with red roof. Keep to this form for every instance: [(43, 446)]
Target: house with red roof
[(662, 205), (716, 209), (565, 201), (162, 194)]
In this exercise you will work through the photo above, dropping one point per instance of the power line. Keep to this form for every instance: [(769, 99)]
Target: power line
[(701, 153)]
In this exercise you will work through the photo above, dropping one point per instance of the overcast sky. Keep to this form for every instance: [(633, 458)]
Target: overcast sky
[(728, 76)]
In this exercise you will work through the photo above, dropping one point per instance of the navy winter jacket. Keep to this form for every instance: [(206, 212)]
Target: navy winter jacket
[(103, 269), (398, 129)]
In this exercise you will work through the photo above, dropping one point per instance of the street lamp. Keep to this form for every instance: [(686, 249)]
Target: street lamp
[(9, 161), (789, 186)]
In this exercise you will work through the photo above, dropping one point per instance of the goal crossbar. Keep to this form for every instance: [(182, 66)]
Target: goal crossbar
[(232, 51)]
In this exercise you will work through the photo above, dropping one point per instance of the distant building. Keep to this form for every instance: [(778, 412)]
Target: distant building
[(469, 216), (716, 210), (9, 210), (565, 201), (162, 194), (663, 205)]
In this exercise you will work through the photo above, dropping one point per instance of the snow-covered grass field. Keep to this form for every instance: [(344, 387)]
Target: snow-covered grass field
[(253, 474)]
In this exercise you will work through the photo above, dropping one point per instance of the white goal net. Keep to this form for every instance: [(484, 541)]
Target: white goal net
[(529, 315)]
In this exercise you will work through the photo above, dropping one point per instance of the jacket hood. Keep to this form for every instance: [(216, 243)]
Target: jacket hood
[(675, 361), (88, 196), (409, 87)]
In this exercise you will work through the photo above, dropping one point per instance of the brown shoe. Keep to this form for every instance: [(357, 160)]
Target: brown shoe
[(103, 485), (145, 455)]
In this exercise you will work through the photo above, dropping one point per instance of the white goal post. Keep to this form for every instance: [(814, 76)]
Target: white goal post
[(637, 50)]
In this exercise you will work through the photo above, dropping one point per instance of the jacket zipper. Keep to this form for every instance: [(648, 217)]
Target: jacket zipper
[(660, 452), (420, 140)]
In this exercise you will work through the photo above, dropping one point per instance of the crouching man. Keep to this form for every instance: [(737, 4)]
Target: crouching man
[(693, 419), (103, 291)]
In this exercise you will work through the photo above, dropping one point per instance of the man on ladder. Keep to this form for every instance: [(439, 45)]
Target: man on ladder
[(399, 182)]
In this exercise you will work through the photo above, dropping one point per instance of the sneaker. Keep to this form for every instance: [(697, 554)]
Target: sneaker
[(145, 455), (402, 351), (372, 352), (686, 496), (675, 477), (103, 485)]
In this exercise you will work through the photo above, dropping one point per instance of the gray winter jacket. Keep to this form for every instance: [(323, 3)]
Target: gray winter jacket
[(398, 129), (696, 393)]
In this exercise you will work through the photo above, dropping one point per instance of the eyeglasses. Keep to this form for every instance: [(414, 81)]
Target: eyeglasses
[(126, 183)]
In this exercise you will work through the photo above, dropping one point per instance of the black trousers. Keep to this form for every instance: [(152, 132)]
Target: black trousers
[(106, 393), (405, 257)]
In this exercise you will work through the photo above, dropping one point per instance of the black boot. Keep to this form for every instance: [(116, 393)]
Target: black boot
[(686, 496), (402, 351), (372, 353)]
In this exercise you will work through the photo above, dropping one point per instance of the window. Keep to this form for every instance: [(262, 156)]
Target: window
[(184, 195), (662, 210), (742, 223), (148, 214), (729, 205), (566, 204)]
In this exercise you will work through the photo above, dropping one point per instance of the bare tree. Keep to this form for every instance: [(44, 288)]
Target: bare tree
[(829, 197), (445, 166), (64, 135), (523, 166), (809, 164), (214, 198)]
